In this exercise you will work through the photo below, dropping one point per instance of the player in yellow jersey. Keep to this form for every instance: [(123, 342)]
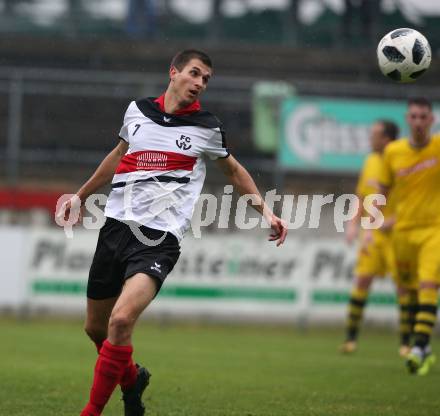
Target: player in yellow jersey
[(411, 169), (376, 260)]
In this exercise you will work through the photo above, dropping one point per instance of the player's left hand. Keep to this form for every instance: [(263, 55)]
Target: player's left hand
[(279, 230), (388, 224)]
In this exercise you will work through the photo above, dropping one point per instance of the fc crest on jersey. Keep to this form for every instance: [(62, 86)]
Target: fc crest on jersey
[(184, 142)]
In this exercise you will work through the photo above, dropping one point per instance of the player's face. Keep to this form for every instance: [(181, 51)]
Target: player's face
[(378, 139), (189, 83), (419, 119)]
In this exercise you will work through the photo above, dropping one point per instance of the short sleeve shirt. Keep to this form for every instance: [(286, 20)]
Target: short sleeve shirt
[(159, 180)]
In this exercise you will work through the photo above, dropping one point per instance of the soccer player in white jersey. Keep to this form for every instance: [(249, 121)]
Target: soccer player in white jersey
[(157, 172)]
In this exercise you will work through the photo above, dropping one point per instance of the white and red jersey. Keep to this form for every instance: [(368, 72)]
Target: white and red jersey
[(159, 180)]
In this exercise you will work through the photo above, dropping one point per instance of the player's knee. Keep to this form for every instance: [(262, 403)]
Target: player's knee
[(364, 282), (120, 322), (402, 291), (95, 333)]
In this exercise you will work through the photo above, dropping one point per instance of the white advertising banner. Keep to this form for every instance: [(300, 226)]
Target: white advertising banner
[(13, 258), (236, 276), (232, 276), (329, 280), (57, 268)]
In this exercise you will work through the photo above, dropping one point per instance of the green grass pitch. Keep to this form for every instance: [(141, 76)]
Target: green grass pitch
[(46, 369)]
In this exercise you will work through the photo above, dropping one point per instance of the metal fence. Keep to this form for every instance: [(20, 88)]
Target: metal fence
[(70, 117), (61, 121), (59, 124)]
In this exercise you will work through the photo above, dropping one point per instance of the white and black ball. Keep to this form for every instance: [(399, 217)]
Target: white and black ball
[(404, 55)]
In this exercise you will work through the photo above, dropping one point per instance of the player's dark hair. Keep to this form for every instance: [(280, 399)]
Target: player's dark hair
[(183, 57), (421, 101), (390, 129)]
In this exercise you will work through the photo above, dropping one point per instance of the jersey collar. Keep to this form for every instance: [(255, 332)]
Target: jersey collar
[(192, 108)]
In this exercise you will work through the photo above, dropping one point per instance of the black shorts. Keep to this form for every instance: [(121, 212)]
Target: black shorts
[(120, 254)]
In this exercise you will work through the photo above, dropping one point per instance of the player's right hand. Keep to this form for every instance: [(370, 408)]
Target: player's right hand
[(69, 211), (366, 241), (279, 230)]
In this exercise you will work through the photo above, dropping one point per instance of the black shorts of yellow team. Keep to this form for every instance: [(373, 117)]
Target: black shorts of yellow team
[(120, 254)]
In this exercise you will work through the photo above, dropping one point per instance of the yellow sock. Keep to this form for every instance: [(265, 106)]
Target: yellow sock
[(426, 316), (356, 306)]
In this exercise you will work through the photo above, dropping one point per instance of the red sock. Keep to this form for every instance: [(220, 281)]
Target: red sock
[(111, 364), (98, 345), (130, 373), (129, 376)]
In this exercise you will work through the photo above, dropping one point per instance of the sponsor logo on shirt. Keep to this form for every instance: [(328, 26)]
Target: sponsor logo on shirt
[(425, 164), (151, 161)]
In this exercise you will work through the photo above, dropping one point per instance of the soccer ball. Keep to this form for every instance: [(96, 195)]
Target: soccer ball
[(403, 55)]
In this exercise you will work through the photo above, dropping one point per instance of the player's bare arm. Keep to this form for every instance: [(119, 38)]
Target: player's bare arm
[(242, 181), (367, 236), (391, 220), (105, 171), (102, 176), (352, 230)]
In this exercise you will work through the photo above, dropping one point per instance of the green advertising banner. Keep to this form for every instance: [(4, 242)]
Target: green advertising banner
[(331, 135)]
